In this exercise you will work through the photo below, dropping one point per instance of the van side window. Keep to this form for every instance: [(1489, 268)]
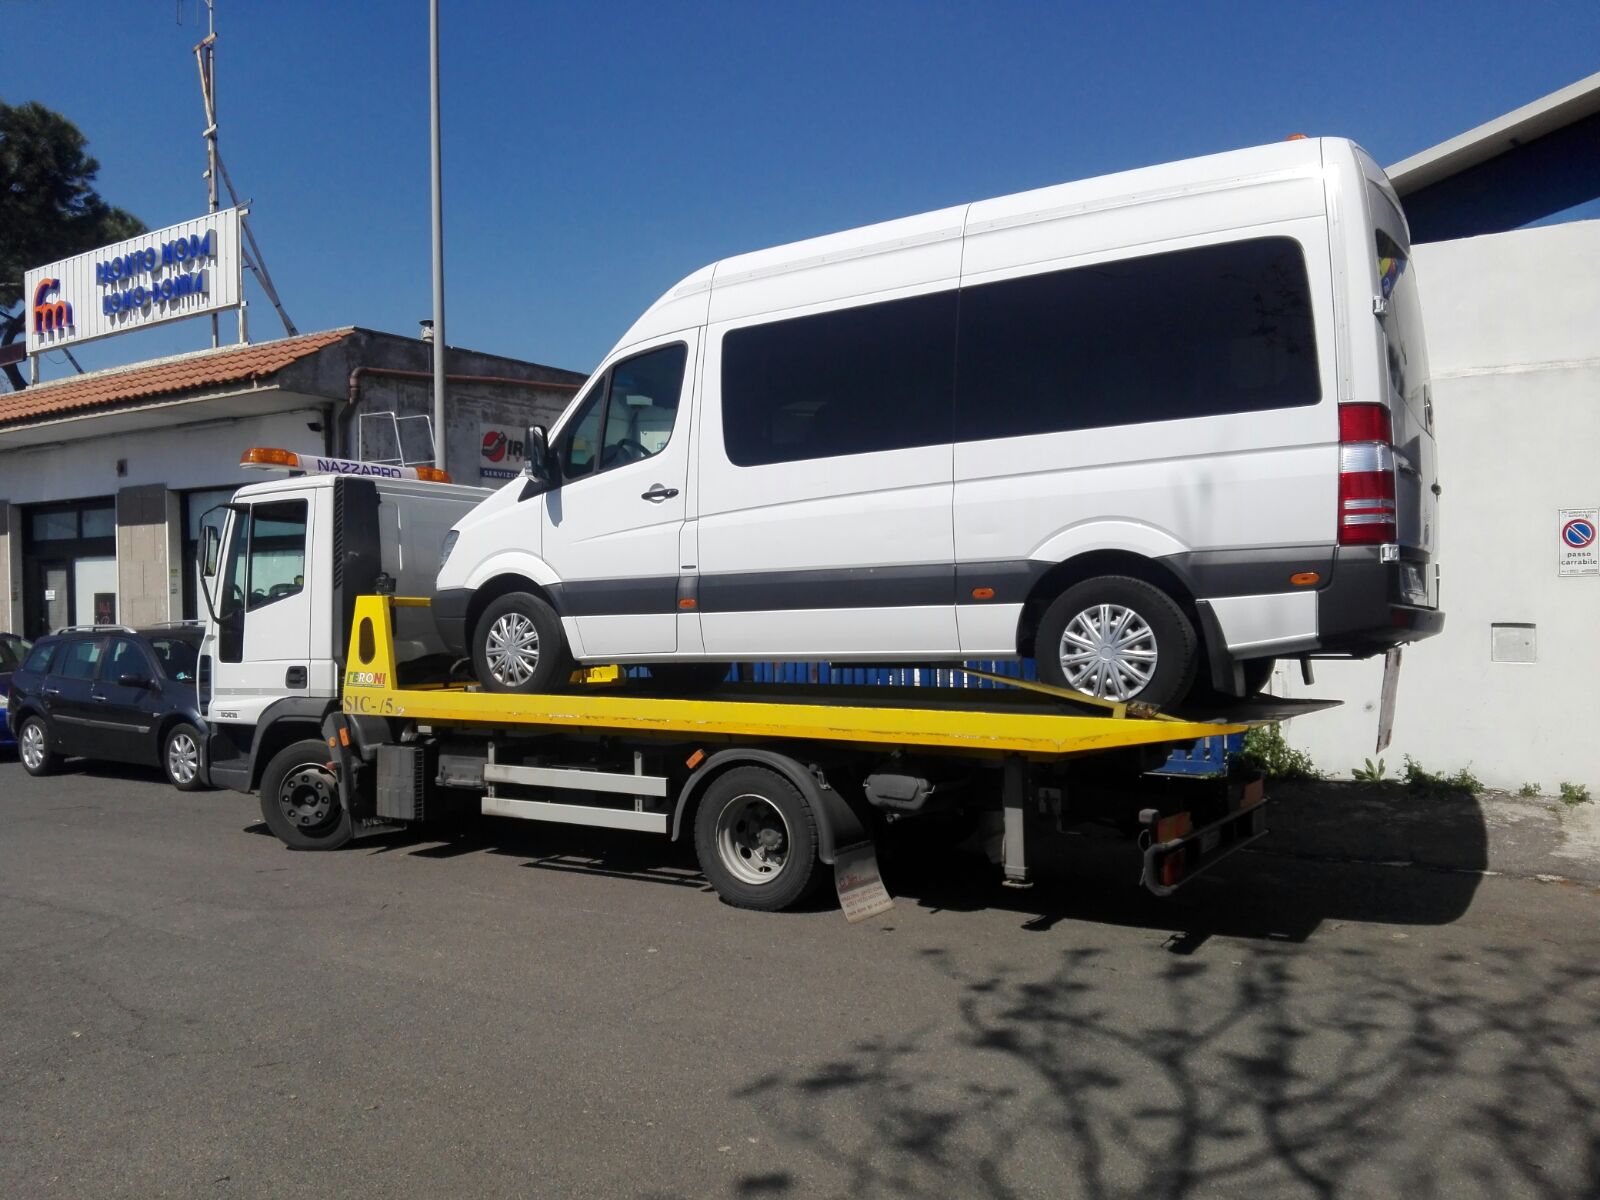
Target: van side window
[(1191, 333), (852, 381), (630, 414)]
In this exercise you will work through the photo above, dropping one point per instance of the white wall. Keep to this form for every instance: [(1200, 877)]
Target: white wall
[(178, 456), (1513, 326)]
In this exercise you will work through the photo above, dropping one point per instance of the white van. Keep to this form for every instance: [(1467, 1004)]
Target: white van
[(1157, 427)]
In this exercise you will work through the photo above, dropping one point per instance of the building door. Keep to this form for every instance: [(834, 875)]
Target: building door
[(56, 598), (69, 559)]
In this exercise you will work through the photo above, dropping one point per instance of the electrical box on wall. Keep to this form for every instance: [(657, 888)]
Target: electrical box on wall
[(1513, 642)]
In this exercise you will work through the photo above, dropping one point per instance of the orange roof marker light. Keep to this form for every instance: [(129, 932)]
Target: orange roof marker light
[(272, 458)]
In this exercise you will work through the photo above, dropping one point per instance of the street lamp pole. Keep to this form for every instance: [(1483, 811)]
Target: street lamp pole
[(439, 438)]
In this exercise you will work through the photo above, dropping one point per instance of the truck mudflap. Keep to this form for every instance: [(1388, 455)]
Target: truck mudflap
[(345, 755), (1176, 852)]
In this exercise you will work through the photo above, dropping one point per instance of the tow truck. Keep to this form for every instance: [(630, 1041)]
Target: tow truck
[(328, 694)]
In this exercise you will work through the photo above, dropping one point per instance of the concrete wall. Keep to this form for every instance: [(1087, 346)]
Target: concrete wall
[(1514, 346), (149, 587)]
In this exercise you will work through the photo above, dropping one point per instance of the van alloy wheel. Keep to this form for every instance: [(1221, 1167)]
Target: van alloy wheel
[(1109, 651), (512, 648), (31, 745)]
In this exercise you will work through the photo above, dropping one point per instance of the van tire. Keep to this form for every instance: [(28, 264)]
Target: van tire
[(181, 757), (1167, 626), (300, 799), (500, 646), (746, 815)]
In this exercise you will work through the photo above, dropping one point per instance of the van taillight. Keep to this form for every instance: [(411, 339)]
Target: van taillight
[(1366, 475)]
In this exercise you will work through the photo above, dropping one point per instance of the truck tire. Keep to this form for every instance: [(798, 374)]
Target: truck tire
[(1118, 638), (33, 747), (300, 798), (756, 839), (518, 646), (180, 757)]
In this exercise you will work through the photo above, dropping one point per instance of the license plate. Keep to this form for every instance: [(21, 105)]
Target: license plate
[(1391, 683)]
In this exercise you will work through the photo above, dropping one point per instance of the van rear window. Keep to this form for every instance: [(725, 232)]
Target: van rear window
[(1191, 333)]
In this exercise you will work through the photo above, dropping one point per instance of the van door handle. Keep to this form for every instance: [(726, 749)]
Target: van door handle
[(657, 493)]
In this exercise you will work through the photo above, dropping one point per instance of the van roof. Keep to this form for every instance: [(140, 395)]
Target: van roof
[(688, 303)]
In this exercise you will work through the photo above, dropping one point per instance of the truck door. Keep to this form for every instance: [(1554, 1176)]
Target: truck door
[(263, 642), (611, 529)]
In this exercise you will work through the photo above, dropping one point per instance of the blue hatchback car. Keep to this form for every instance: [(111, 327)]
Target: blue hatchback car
[(12, 651)]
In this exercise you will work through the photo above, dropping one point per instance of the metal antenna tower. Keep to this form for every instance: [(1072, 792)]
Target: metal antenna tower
[(205, 58)]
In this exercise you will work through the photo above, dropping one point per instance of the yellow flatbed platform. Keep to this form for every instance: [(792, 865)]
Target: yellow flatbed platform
[(1037, 721)]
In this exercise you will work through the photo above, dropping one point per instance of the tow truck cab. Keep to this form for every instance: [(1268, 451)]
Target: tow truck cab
[(280, 581)]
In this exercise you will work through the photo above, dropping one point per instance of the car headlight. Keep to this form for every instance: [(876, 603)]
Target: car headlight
[(449, 545)]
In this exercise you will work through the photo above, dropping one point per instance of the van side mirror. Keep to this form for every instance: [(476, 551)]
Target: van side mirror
[(536, 448)]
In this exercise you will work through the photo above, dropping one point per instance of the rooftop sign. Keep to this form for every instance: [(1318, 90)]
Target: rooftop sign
[(184, 270)]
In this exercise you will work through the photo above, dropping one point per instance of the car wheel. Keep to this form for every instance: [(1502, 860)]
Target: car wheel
[(33, 747), (300, 798), (518, 646), (180, 758), (688, 678), (1118, 638), (756, 839)]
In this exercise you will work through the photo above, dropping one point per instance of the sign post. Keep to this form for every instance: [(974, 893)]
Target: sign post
[(185, 270), (1579, 553)]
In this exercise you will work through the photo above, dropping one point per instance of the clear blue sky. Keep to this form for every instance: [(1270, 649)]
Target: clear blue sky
[(594, 154)]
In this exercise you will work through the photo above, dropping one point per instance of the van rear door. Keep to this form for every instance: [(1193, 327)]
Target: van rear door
[(1409, 392)]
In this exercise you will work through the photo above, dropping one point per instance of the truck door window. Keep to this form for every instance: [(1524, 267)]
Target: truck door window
[(277, 552), (630, 416)]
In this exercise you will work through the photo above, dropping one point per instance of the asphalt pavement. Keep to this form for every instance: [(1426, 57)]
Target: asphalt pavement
[(189, 1009)]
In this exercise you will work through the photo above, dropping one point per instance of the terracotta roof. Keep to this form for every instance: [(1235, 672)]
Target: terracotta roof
[(208, 369)]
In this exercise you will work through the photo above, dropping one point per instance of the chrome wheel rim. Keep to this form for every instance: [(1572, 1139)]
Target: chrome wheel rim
[(183, 759), (32, 745), (1109, 651), (752, 839), (309, 796), (512, 649)]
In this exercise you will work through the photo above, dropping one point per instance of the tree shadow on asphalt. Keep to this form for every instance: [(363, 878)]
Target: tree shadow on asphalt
[(1267, 1070)]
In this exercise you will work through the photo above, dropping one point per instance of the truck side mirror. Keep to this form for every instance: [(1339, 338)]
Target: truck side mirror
[(536, 447), (213, 543)]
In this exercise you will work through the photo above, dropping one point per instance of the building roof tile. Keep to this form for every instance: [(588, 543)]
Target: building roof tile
[(121, 385)]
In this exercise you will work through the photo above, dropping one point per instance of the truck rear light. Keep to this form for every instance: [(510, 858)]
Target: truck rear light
[(1366, 476)]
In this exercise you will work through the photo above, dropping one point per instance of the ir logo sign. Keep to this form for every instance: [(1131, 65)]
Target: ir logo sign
[(1578, 553)]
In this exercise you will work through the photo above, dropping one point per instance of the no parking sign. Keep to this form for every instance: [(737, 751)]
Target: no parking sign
[(1580, 552)]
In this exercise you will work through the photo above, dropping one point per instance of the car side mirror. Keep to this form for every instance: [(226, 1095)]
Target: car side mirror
[(536, 448), (133, 681)]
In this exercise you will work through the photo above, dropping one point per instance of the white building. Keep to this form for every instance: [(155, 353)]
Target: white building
[(1511, 688)]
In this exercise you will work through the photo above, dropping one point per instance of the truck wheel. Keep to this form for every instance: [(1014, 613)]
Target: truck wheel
[(1118, 638), (33, 747), (180, 758), (300, 798), (518, 646), (688, 678), (756, 839)]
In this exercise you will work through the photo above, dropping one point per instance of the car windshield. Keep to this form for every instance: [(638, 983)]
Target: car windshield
[(12, 654), (177, 657)]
